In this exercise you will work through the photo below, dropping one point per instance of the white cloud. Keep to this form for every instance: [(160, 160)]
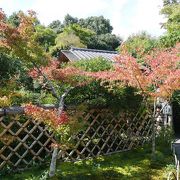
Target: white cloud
[(55, 9), (145, 14), (10, 6), (146, 17)]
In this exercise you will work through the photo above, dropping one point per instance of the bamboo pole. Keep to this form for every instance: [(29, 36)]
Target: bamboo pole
[(13, 110)]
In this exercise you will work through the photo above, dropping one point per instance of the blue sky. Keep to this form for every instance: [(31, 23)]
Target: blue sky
[(126, 16)]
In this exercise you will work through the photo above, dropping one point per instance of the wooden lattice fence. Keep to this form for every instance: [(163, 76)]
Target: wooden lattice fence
[(109, 133), (28, 141), (23, 142)]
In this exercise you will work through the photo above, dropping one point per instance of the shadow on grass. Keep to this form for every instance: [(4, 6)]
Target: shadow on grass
[(136, 165)]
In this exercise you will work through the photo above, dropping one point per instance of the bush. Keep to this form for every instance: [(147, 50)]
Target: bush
[(95, 94)]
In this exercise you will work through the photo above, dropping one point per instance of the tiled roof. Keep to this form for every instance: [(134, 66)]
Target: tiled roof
[(81, 53)]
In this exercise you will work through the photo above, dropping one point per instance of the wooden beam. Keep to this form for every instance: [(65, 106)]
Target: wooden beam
[(20, 110)]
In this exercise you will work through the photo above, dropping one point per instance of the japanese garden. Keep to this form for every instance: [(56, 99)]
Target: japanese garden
[(79, 102)]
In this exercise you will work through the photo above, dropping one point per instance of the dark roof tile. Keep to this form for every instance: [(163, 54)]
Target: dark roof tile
[(82, 53)]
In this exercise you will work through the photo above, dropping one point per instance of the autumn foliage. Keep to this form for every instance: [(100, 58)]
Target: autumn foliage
[(158, 75), (47, 70), (70, 74), (49, 117), (21, 40)]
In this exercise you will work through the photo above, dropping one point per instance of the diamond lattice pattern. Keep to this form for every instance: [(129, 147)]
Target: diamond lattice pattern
[(24, 142)]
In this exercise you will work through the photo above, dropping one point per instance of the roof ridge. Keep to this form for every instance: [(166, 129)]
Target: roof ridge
[(93, 50)]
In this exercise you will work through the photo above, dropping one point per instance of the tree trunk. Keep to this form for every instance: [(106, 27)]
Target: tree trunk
[(154, 138), (154, 118), (55, 151), (53, 162), (154, 131)]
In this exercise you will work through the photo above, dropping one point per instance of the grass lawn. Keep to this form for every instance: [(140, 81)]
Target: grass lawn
[(135, 165)]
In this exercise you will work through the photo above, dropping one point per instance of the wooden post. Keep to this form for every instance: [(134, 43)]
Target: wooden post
[(154, 130), (52, 169)]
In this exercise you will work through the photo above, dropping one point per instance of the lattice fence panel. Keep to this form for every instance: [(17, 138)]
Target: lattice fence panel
[(28, 141), (23, 143), (109, 133)]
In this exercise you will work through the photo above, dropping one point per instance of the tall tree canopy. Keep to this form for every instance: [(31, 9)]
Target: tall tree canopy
[(94, 32), (65, 40), (171, 10), (138, 45), (104, 41), (103, 37), (14, 19), (45, 36), (98, 24), (57, 26), (21, 41), (83, 33), (68, 20)]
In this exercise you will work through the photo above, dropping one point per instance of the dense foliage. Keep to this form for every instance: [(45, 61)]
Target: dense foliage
[(8, 67), (93, 32), (21, 41), (158, 77), (20, 50), (28, 73), (138, 45), (171, 11), (95, 94), (99, 25)]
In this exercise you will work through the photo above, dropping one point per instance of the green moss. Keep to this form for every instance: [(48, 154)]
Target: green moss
[(135, 165)]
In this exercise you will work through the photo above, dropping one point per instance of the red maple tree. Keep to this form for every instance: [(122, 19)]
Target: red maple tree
[(157, 76)]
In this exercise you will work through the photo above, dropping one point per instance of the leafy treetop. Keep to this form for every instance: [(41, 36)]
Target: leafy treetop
[(158, 77), (171, 10), (21, 41)]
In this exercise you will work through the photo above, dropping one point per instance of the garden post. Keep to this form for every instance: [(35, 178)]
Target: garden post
[(154, 130), (53, 161)]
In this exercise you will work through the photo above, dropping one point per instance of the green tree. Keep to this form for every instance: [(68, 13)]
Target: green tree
[(93, 32), (14, 19), (56, 26), (8, 67), (104, 42), (92, 40), (65, 41), (68, 19), (138, 45), (98, 24), (172, 13), (171, 10), (45, 36), (83, 33)]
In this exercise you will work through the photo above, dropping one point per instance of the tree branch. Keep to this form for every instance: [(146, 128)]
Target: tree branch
[(53, 91), (61, 101)]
